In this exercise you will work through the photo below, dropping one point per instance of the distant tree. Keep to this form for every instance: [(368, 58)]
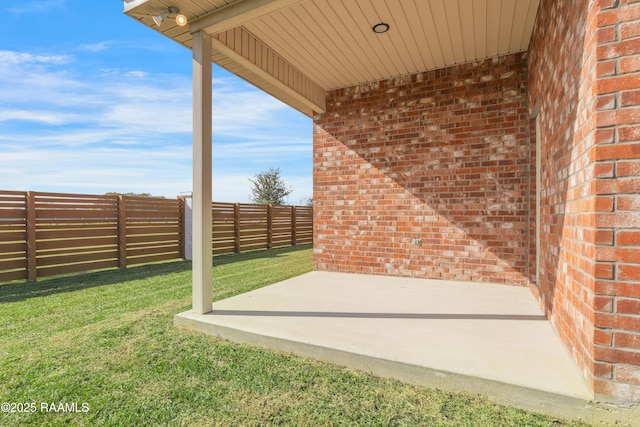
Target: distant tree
[(308, 201), (115, 193), (269, 187)]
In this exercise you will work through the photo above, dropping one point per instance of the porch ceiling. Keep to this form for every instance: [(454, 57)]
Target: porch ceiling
[(298, 49)]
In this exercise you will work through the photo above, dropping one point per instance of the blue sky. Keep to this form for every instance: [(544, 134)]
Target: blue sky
[(92, 101)]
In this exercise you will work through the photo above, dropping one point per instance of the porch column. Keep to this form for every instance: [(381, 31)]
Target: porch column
[(202, 293)]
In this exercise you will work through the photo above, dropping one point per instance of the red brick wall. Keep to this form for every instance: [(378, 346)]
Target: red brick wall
[(443, 156), (584, 78), (559, 85), (617, 192)]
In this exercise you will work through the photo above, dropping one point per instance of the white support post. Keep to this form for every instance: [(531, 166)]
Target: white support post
[(202, 292)]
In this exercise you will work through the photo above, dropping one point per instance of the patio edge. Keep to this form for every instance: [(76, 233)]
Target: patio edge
[(520, 397)]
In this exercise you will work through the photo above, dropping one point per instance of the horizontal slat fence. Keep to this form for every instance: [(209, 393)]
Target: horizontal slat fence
[(224, 228), (154, 229), (253, 225), (73, 232), (13, 235), (44, 234), (304, 225), (240, 227)]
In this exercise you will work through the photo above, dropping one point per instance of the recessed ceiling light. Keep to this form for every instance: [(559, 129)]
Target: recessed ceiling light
[(380, 28), (181, 20)]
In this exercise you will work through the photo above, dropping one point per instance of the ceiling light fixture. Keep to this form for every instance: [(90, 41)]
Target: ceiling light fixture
[(181, 20), (380, 28)]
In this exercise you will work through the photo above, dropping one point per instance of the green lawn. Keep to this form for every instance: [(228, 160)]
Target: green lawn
[(107, 339)]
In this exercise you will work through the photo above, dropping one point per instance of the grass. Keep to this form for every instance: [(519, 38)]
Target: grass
[(107, 339)]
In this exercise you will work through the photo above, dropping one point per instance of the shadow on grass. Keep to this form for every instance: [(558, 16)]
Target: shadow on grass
[(15, 292), (259, 254)]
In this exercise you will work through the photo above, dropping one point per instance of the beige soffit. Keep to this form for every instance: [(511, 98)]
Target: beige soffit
[(298, 49)]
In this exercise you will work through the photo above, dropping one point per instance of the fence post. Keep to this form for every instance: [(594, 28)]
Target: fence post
[(269, 226), (122, 232), (32, 272), (236, 227), (294, 229)]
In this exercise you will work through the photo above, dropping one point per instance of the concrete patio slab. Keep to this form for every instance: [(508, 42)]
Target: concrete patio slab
[(474, 337)]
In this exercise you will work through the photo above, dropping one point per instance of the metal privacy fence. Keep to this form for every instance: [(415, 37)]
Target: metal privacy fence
[(45, 234)]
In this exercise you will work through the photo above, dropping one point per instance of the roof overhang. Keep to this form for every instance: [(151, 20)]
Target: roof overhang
[(297, 50)]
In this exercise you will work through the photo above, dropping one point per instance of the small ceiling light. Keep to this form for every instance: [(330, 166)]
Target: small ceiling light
[(170, 10), (380, 28), (181, 20)]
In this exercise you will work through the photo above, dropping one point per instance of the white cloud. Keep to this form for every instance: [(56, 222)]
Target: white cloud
[(48, 117), (95, 47), (36, 6), (97, 169), (148, 118), (64, 128), (9, 57), (136, 74)]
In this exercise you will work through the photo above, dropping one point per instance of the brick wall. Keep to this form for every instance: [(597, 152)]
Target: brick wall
[(584, 79), (559, 86), (448, 157), (442, 156), (616, 189)]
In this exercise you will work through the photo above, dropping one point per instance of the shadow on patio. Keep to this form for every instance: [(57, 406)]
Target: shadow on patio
[(459, 336)]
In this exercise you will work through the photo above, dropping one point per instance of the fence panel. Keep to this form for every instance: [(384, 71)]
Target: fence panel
[(44, 234), (223, 226), (75, 232), (253, 228), (152, 229), (13, 235), (282, 226), (304, 225), (239, 227)]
